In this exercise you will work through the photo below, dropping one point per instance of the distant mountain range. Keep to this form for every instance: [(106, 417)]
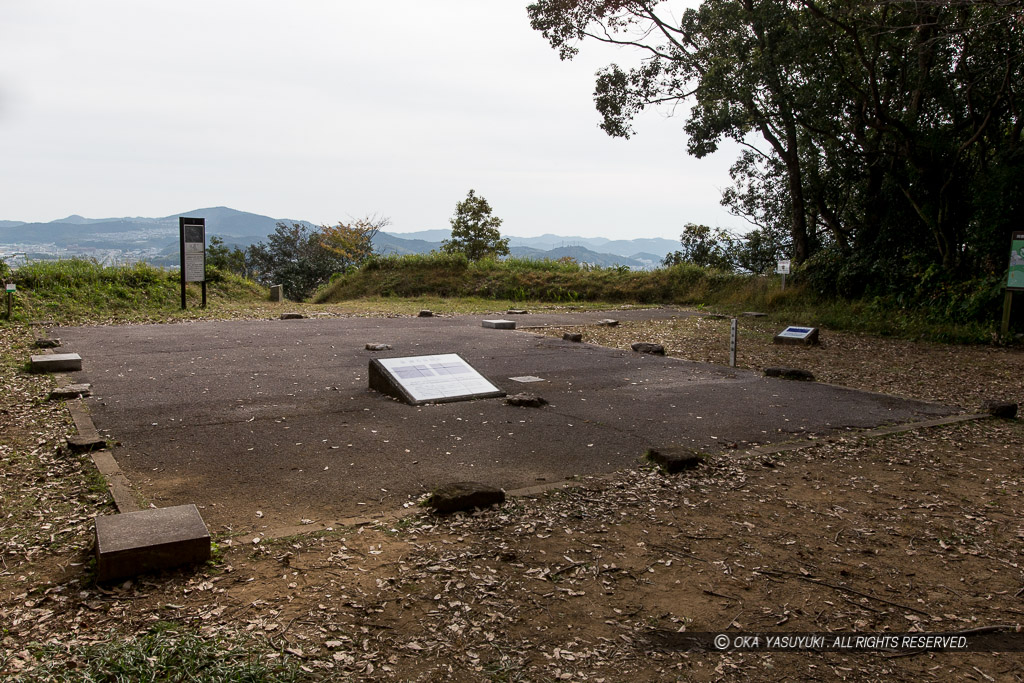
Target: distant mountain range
[(156, 240)]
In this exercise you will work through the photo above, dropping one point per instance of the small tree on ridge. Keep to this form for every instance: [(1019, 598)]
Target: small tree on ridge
[(475, 230)]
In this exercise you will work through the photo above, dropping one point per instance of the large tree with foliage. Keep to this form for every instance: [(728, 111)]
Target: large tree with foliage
[(475, 230), (297, 256), (889, 131)]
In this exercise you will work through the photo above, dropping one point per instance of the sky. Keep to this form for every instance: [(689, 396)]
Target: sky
[(326, 110)]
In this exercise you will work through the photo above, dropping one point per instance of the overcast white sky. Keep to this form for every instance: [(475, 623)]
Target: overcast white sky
[(322, 110)]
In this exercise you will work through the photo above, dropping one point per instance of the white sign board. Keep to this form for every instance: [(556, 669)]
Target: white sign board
[(796, 332), (12, 287), (783, 267), (446, 377)]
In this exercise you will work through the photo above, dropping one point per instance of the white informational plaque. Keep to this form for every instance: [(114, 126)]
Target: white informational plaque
[(430, 379)]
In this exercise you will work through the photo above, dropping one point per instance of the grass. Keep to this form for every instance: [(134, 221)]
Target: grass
[(166, 652), (81, 290)]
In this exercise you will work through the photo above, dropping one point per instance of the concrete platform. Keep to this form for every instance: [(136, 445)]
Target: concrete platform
[(56, 362), (149, 540), (243, 416)]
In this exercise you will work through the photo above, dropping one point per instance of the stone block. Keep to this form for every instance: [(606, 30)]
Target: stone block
[(608, 322), (378, 347), (425, 314), (500, 324), (463, 496), (675, 459), (516, 311), (149, 540), (526, 400), (56, 362), (44, 343), (66, 393), (646, 347), (790, 373), (277, 293), (572, 337), (84, 443), (753, 314), (1004, 409)]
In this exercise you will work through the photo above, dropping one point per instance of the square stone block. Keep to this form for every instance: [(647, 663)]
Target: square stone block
[(56, 362), (500, 324), (149, 540)]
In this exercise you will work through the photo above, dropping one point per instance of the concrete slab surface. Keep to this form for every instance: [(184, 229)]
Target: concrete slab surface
[(248, 416), (56, 362)]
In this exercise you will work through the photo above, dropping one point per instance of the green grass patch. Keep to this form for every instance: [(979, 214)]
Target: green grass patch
[(82, 290), (166, 652)]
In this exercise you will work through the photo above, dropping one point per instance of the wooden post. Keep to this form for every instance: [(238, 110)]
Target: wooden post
[(1004, 329)]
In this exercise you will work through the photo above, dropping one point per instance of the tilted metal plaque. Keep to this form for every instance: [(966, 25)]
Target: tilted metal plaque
[(430, 379)]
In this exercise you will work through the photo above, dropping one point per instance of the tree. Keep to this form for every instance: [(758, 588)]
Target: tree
[(294, 256), (353, 241), (475, 230), (704, 247), (874, 128), (220, 256)]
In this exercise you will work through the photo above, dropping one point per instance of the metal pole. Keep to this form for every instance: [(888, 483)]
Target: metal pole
[(10, 299), (732, 343), (204, 293), (783, 282)]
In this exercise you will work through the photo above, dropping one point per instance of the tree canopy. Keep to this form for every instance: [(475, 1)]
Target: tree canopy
[(888, 132), (475, 230)]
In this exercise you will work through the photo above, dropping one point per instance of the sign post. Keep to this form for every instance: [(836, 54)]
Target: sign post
[(11, 289), (1014, 279), (192, 235), (733, 330), (783, 270)]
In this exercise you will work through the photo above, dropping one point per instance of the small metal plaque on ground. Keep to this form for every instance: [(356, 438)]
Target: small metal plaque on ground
[(807, 336), (430, 379)]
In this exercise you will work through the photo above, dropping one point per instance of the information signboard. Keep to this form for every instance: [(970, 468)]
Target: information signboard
[(193, 248), (1015, 280), (797, 335), (430, 379), (783, 267)]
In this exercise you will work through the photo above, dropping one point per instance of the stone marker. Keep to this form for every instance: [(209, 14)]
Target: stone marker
[(526, 400), (425, 314), (608, 322), (46, 343), (1004, 409), (516, 311), (675, 459), (572, 337), (500, 324), (56, 362), (378, 347), (66, 393), (277, 293), (803, 336), (149, 540), (790, 373), (526, 379), (292, 316), (646, 347), (464, 495), (85, 443)]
